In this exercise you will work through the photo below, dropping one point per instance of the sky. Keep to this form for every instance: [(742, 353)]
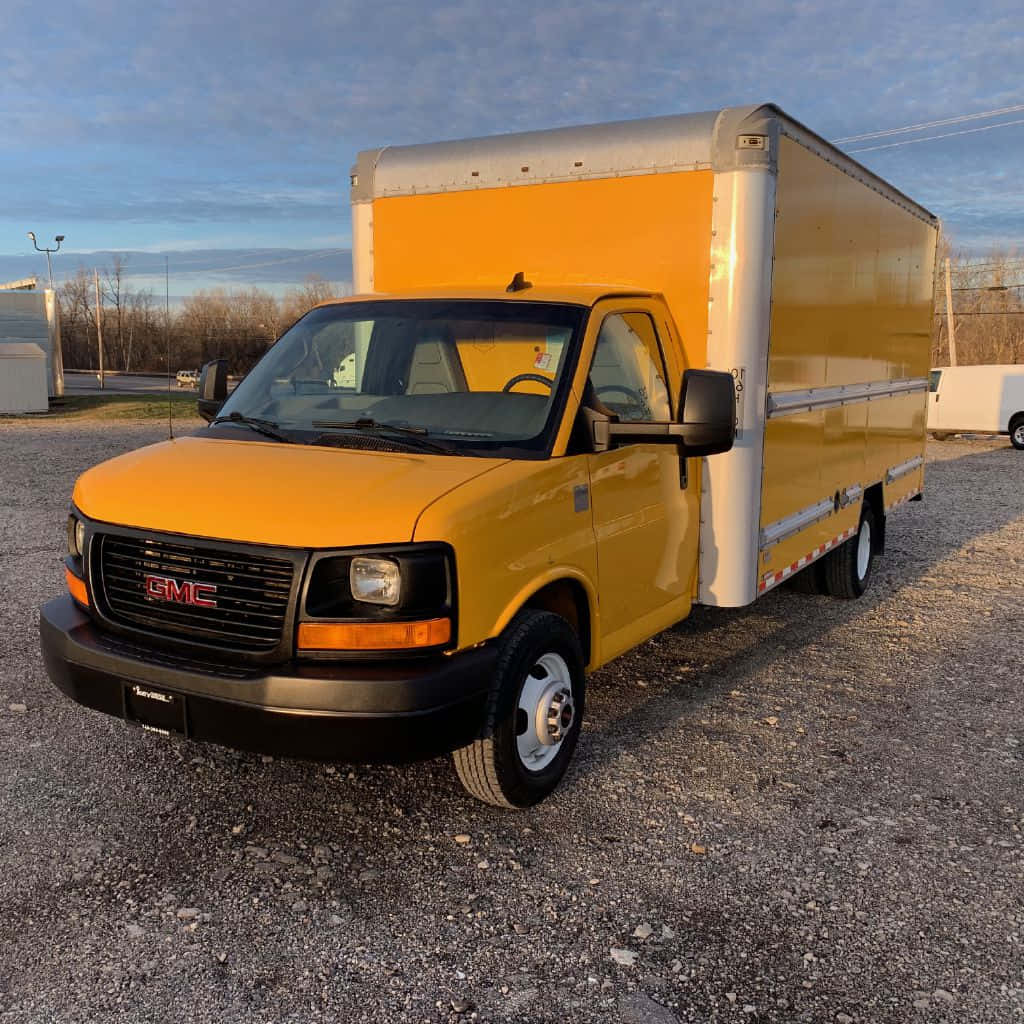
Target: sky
[(229, 128)]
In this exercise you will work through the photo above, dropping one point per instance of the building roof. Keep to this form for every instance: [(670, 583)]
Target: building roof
[(20, 350)]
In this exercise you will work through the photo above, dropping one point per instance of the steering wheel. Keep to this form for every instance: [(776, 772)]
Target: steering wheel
[(634, 396), (520, 377)]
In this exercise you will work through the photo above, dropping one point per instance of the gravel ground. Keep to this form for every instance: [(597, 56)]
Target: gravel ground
[(808, 810)]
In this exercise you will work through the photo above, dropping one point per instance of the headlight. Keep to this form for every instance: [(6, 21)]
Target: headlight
[(399, 597), (76, 537), (376, 581)]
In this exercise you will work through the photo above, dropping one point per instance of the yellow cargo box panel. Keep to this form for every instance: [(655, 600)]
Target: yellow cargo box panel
[(607, 231), (847, 360)]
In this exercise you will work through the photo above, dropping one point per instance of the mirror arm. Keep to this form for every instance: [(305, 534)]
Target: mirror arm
[(607, 434), (597, 426)]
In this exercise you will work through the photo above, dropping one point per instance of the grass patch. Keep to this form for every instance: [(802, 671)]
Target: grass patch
[(124, 407)]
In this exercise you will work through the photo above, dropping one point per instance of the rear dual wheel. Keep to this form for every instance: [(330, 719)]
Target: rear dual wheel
[(533, 715), (847, 570)]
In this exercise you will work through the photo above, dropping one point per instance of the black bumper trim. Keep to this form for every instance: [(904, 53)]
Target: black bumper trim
[(380, 712)]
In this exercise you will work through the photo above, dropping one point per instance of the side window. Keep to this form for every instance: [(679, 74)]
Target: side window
[(628, 375), (933, 380)]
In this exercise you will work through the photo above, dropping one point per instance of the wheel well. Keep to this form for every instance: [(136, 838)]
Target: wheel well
[(1015, 418), (874, 497), (568, 599)]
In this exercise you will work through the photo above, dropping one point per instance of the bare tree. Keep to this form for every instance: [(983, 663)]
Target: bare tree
[(988, 307)]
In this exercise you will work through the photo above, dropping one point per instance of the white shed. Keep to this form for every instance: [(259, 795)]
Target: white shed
[(23, 378), (34, 316)]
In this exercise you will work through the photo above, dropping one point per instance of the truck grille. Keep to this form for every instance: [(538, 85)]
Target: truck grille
[(166, 587)]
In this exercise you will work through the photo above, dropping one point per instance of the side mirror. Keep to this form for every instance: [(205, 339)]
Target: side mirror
[(707, 412), (213, 388), (707, 419)]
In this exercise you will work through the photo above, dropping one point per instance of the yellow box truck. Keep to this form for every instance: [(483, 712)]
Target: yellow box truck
[(591, 376)]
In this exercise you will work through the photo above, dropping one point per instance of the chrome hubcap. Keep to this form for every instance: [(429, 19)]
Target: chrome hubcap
[(863, 549), (546, 712), (1018, 435)]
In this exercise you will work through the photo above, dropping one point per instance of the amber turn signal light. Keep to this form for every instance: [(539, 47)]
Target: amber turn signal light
[(77, 587), (373, 636)]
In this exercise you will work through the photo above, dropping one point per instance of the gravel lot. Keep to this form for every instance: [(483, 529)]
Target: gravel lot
[(808, 810)]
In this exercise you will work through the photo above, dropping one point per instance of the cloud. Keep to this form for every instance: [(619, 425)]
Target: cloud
[(252, 112)]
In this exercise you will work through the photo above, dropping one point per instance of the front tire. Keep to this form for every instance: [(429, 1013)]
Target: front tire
[(847, 570), (533, 715), (1017, 432)]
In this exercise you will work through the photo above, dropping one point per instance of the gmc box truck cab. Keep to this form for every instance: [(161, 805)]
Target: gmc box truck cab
[(592, 376)]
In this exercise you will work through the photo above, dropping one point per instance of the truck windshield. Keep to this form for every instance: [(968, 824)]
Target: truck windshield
[(483, 377)]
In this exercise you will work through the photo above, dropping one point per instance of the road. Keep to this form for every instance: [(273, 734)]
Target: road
[(807, 810), (116, 384)]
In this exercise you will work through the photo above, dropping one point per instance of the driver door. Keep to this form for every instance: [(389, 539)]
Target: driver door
[(645, 513)]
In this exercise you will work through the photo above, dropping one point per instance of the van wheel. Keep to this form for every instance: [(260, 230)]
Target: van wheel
[(847, 570), (941, 435), (1017, 432), (533, 715)]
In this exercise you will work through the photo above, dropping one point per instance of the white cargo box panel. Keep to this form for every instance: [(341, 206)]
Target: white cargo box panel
[(22, 378)]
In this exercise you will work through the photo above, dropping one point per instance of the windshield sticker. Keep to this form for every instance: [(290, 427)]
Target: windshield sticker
[(543, 361)]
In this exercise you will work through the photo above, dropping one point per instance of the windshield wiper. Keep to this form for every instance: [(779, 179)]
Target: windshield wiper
[(413, 436), (266, 427), (366, 423)]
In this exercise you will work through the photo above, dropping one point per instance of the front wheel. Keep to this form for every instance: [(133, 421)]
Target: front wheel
[(533, 716), (847, 569)]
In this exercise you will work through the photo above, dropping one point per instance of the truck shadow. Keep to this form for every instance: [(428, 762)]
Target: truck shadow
[(716, 649)]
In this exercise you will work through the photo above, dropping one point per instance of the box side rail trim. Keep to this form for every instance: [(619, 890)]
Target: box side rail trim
[(786, 403), (895, 472), (781, 529)]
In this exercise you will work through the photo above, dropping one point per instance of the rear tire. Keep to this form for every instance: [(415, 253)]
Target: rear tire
[(847, 570), (533, 715), (1017, 432), (808, 580), (941, 435)]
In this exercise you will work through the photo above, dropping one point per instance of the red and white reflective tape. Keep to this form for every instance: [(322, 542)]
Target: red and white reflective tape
[(903, 500), (771, 579)]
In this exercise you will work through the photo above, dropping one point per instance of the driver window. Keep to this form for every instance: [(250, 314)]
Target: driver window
[(627, 375), (326, 357)]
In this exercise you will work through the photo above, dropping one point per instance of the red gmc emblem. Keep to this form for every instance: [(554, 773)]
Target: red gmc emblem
[(163, 588)]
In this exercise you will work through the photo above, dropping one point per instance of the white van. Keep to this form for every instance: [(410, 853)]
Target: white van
[(979, 399)]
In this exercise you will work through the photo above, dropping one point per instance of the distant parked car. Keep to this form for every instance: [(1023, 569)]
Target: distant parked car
[(188, 378), (977, 399)]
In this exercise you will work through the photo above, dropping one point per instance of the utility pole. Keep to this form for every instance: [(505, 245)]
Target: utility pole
[(949, 318), (99, 326)]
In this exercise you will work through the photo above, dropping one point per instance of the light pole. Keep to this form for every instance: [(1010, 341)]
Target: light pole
[(49, 268)]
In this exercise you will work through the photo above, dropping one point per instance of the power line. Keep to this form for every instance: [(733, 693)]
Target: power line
[(944, 135), (990, 287), (932, 124), (967, 267), (268, 263)]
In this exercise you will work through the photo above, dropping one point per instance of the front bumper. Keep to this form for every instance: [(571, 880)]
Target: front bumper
[(379, 712)]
